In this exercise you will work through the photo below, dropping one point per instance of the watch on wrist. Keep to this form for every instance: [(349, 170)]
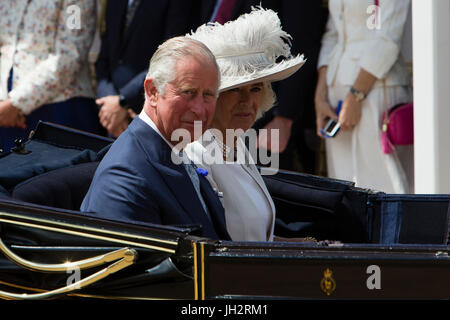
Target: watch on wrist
[(359, 95), (123, 102)]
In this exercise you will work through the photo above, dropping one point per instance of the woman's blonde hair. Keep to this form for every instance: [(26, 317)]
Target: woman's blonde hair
[(268, 100)]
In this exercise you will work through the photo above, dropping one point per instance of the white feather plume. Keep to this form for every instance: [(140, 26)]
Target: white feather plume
[(248, 47)]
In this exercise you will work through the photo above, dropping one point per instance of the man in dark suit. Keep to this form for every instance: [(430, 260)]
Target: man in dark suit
[(139, 179), (294, 113), (133, 29)]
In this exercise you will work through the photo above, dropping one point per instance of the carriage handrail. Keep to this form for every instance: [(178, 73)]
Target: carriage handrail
[(127, 257)]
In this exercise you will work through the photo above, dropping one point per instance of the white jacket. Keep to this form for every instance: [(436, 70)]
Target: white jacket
[(47, 49), (352, 41), (249, 208)]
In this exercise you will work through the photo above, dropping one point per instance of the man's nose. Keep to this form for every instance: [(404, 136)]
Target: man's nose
[(198, 107)]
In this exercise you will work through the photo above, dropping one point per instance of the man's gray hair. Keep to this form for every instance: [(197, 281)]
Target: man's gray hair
[(163, 61)]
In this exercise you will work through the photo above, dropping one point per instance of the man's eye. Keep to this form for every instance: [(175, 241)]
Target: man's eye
[(189, 92), (256, 89)]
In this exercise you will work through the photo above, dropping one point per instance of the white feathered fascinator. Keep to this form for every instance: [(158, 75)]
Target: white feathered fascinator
[(247, 49)]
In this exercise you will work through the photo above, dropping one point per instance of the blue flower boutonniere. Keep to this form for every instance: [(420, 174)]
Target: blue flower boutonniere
[(202, 172)]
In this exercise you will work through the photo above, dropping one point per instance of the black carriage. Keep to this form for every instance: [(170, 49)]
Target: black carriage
[(371, 245)]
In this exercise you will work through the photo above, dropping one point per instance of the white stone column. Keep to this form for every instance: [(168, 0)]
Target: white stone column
[(431, 57)]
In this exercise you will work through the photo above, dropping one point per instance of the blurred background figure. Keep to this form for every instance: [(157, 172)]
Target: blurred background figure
[(293, 113), (44, 72), (356, 60), (131, 31)]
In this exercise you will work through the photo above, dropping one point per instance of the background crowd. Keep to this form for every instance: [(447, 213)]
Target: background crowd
[(82, 64)]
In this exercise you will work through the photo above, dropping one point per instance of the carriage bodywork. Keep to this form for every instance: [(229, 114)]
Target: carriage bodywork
[(381, 246)]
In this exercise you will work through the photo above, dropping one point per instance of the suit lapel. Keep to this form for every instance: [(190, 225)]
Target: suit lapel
[(253, 172), (181, 186), (250, 168), (215, 208), (175, 176)]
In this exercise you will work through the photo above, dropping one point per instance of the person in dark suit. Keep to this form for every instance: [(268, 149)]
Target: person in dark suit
[(133, 31), (294, 113), (139, 179)]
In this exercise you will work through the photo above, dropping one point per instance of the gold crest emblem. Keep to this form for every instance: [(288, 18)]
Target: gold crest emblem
[(327, 284)]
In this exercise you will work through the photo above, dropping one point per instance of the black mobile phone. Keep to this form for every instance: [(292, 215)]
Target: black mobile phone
[(331, 128)]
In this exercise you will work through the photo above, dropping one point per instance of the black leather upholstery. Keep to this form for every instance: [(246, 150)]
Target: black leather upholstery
[(61, 188)]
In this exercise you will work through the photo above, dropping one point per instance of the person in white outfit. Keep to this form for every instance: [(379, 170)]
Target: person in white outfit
[(246, 51), (361, 64)]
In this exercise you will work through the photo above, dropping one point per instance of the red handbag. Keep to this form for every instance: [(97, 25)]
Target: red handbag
[(398, 123), (398, 127)]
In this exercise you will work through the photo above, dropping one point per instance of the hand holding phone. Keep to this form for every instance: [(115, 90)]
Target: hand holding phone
[(332, 127)]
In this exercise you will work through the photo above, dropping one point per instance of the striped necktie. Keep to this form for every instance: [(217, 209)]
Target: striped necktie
[(130, 14)]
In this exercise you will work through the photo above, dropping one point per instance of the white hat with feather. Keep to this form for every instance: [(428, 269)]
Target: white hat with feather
[(246, 49)]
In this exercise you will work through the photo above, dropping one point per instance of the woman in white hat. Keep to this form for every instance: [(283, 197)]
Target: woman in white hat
[(246, 51)]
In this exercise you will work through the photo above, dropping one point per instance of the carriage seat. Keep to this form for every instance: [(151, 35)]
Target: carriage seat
[(61, 188)]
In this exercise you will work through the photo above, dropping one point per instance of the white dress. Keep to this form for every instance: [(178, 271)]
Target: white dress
[(249, 209), (348, 45)]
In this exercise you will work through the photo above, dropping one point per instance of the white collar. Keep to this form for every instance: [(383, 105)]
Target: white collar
[(144, 117)]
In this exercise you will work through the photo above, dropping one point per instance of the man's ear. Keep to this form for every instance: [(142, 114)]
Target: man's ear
[(151, 91)]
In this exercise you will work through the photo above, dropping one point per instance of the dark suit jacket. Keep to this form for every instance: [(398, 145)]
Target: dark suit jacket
[(124, 59), (137, 181)]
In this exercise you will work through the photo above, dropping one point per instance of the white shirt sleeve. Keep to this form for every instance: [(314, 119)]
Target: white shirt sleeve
[(48, 78), (329, 41), (382, 51)]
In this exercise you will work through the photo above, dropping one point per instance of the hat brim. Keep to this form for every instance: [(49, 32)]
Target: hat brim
[(267, 75)]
